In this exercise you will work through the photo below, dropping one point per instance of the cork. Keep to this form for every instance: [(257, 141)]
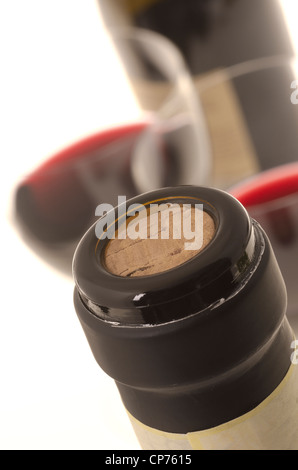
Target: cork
[(165, 248)]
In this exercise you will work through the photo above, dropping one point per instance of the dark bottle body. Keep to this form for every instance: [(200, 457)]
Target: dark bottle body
[(201, 345), (211, 34)]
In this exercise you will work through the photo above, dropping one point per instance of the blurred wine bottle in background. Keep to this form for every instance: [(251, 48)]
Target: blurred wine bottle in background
[(239, 54), (209, 33)]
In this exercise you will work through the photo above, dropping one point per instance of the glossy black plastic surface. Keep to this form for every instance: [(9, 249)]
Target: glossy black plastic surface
[(205, 279), (210, 363)]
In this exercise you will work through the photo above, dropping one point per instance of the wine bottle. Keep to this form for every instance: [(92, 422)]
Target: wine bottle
[(246, 45), (210, 33)]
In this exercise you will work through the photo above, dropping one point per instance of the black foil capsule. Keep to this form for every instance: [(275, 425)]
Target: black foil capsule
[(198, 345)]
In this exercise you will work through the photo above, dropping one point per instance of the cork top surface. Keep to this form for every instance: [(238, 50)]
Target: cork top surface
[(154, 242)]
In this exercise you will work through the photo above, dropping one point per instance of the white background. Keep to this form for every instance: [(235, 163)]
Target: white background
[(59, 81)]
